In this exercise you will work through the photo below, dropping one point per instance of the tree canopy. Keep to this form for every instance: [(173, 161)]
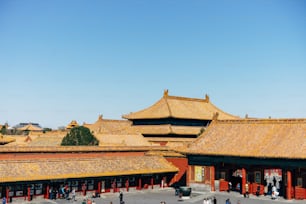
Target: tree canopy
[(80, 136)]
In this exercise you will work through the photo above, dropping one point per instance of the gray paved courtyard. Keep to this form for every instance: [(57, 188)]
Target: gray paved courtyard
[(167, 195)]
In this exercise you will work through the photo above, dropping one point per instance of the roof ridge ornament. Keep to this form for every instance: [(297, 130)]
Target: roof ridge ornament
[(100, 117), (166, 93), (215, 116), (206, 98)]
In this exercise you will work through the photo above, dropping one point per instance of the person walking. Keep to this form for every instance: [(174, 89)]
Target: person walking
[(73, 195), (4, 200), (121, 197), (246, 195), (215, 200)]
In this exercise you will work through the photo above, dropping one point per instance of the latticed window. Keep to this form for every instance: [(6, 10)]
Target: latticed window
[(257, 178)]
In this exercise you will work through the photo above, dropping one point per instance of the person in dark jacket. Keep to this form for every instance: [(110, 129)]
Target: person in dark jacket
[(121, 197)]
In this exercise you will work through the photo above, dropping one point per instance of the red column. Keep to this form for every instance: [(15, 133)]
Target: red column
[(152, 182), (99, 187), (243, 180), (29, 193), (84, 189), (7, 195), (139, 183), (289, 185), (127, 184), (212, 178), (47, 192), (114, 186)]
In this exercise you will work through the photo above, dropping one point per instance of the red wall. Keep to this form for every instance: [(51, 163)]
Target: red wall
[(181, 164)]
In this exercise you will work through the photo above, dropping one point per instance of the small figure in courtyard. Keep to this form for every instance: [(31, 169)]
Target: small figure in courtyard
[(258, 190), (4, 200), (215, 200), (246, 194), (73, 195), (229, 186), (275, 193), (50, 193), (121, 197), (228, 201)]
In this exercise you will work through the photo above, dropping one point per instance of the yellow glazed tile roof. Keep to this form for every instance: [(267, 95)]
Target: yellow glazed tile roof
[(180, 107), (105, 126), (45, 140), (45, 169), (6, 139), (64, 149), (121, 140), (72, 124), (30, 127), (253, 138), (165, 153)]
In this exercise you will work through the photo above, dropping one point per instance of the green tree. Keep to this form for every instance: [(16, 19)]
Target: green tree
[(3, 130), (79, 136)]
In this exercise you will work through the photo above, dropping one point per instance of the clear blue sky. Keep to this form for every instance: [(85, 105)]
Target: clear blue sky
[(64, 60)]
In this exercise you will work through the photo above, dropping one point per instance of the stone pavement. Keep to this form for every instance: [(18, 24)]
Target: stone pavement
[(155, 196)]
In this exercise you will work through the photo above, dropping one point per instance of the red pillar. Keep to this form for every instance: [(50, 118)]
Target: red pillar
[(289, 185), (29, 193), (139, 183), (127, 184), (114, 186), (243, 180), (212, 178), (152, 182), (47, 192), (7, 195), (84, 189), (99, 187)]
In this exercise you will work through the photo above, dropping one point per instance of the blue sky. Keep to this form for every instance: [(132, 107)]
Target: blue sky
[(73, 60)]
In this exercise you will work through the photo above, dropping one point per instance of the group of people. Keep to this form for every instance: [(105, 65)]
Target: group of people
[(210, 200), (62, 192), (4, 200)]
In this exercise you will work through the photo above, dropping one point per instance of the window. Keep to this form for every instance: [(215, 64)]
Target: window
[(222, 175), (90, 184), (299, 182), (257, 178), (38, 188)]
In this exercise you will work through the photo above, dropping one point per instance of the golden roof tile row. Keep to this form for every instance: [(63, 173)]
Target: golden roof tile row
[(181, 108), (253, 138), (42, 169)]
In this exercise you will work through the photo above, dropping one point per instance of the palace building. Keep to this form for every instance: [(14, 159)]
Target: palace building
[(175, 121), (262, 153), (27, 172), (176, 141)]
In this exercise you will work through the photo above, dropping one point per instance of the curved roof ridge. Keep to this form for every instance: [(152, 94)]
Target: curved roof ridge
[(181, 108), (168, 106), (188, 99), (264, 120), (158, 103), (221, 111)]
